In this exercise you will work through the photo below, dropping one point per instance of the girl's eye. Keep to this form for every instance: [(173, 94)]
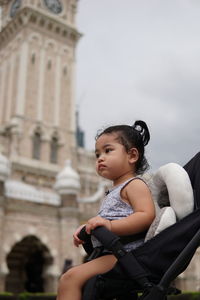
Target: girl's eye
[(97, 155), (108, 150)]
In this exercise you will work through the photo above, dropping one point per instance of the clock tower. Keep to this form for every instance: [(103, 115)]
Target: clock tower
[(37, 105), (48, 185)]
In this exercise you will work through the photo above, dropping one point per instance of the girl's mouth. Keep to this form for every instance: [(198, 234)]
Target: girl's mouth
[(101, 167)]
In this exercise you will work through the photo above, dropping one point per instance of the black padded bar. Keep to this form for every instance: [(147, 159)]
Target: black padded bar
[(83, 236), (105, 236)]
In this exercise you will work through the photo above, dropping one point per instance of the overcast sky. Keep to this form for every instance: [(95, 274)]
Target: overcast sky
[(141, 60)]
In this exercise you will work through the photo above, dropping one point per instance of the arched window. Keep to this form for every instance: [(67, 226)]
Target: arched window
[(36, 145), (54, 150), (27, 270)]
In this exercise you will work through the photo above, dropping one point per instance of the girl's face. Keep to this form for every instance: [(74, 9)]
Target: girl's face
[(112, 160)]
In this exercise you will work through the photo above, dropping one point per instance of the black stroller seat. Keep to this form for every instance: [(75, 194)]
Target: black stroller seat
[(150, 268)]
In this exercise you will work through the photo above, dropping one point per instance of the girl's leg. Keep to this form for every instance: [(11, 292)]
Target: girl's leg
[(71, 283)]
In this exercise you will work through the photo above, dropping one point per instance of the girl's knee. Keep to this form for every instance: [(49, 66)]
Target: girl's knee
[(72, 276), (69, 281), (68, 276)]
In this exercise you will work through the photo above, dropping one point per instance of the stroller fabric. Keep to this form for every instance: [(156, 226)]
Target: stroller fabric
[(157, 254)]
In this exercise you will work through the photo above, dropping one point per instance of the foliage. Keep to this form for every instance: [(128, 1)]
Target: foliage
[(186, 296), (36, 296), (6, 294), (27, 296)]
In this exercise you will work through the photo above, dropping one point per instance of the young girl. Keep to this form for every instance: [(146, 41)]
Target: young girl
[(128, 208)]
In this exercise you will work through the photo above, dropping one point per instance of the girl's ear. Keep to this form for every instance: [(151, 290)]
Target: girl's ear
[(133, 155)]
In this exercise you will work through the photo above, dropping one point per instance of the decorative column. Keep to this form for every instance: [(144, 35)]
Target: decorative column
[(51, 277), (57, 91), (2, 88), (41, 85), (68, 187), (15, 131), (10, 88), (72, 96), (22, 75)]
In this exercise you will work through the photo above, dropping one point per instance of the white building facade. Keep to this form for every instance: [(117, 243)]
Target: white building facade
[(46, 180)]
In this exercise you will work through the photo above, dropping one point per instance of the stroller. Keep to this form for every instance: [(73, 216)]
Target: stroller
[(149, 269)]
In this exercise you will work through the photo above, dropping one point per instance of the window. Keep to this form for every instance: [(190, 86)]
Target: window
[(65, 70), (36, 145), (33, 58), (54, 150), (49, 65)]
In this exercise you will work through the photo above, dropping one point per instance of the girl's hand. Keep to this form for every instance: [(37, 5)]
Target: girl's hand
[(97, 221), (77, 241)]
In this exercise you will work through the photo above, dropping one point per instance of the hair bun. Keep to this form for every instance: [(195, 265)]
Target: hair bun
[(143, 130)]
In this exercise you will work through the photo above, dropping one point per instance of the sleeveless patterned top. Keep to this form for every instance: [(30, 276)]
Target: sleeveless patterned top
[(114, 208)]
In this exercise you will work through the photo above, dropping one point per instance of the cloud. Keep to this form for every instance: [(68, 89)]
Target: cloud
[(141, 60)]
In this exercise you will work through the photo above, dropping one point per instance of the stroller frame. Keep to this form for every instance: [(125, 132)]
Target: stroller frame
[(139, 268)]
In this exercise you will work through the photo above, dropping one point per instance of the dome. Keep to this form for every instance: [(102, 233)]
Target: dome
[(4, 167), (67, 181)]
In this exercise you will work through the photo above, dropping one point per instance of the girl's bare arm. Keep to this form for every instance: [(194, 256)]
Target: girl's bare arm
[(138, 195)]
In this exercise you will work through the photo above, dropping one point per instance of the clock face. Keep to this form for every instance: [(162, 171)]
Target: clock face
[(14, 7), (54, 6)]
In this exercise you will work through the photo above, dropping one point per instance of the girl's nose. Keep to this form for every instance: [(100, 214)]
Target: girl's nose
[(100, 158)]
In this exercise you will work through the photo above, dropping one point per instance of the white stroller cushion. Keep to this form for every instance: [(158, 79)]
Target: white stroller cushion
[(170, 185), (165, 218), (177, 182)]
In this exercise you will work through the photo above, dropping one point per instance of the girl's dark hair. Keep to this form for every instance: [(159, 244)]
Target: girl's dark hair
[(135, 136)]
